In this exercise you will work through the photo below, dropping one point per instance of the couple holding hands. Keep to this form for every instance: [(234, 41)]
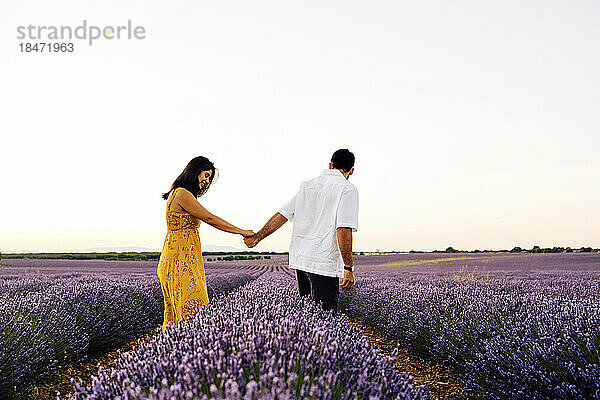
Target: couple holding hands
[(324, 212)]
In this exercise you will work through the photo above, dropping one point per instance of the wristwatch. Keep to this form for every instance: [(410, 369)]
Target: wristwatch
[(347, 268)]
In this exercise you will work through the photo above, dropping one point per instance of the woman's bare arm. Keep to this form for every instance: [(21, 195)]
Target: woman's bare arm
[(188, 202)]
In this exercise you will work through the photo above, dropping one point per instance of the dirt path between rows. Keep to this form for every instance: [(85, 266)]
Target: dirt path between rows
[(61, 380), (440, 382)]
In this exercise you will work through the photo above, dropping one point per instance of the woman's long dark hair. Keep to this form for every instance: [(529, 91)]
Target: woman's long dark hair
[(188, 179)]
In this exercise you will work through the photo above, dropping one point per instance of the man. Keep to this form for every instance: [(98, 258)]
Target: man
[(325, 213)]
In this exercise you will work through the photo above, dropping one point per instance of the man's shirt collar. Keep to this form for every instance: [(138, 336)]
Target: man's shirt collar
[(333, 172)]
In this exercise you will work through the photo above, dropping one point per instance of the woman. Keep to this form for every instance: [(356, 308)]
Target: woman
[(180, 268)]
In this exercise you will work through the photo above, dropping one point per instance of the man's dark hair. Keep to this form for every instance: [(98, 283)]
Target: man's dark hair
[(343, 159)]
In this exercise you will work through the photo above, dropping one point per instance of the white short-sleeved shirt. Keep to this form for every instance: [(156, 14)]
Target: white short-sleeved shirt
[(321, 205)]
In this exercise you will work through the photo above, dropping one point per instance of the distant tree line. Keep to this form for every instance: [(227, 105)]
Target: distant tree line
[(122, 256), (517, 249), (253, 255), (537, 249), (135, 256)]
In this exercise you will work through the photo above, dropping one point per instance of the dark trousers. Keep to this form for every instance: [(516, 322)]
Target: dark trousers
[(321, 289)]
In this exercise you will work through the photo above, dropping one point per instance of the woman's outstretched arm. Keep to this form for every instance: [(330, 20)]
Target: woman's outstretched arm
[(187, 201)]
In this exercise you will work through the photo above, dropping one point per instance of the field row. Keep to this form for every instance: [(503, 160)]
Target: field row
[(52, 320), (535, 337), (259, 342)]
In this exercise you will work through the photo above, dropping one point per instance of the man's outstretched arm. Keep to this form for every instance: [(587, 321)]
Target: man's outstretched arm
[(271, 226)]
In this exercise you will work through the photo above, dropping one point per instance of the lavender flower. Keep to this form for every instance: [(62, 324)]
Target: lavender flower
[(260, 342), (56, 319)]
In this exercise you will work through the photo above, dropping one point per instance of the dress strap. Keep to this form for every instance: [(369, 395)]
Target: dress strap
[(171, 199)]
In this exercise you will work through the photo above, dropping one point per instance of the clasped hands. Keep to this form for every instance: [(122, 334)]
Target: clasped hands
[(251, 240)]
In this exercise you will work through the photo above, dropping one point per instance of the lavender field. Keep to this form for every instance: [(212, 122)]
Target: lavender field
[(509, 325), (513, 326)]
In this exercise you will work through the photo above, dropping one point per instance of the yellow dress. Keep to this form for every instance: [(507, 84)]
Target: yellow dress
[(180, 268)]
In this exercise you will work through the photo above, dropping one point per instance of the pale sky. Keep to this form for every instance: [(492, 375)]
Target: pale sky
[(474, 125)]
